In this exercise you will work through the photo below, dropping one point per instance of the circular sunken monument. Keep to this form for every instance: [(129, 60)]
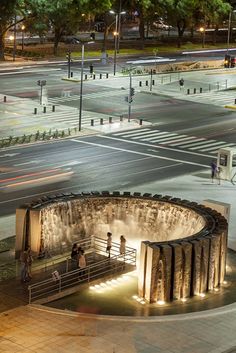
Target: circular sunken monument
[(183, 244)]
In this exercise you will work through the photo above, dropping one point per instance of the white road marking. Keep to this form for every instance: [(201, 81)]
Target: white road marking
[(139, 153), (189, 144), (9, 155), (208, 145), (30, 162), (158, 147)]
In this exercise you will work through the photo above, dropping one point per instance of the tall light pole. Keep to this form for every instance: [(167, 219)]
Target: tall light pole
[(131, 93), (92, 36), (81, 87), (229, 29), (22, 37), (202, 31), (14, 41), (116, 34)]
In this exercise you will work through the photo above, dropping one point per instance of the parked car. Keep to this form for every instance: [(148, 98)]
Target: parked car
[(161, 25)]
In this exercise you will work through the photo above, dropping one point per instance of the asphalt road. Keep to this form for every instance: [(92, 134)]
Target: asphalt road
[(97, 163), (105, 162)]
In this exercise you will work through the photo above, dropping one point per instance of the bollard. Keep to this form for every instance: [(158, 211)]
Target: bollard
[(121, 118), (107, 75), (44, 109), (92, 122), (53, 108), (153, 82), (85, 76), (71, 74), (140, 121), (235, 101), (140, 83), (146, 83), (4, 99), (35, 110), (101, 121), (188, 91), (110, 119), (100, 76), (209, 87), (200, 89), (194, 90), (94, 76)]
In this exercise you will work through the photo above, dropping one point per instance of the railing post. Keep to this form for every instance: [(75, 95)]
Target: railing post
[(30, 294)]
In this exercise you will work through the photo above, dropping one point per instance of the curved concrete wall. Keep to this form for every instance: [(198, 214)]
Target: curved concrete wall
[(183, 249)]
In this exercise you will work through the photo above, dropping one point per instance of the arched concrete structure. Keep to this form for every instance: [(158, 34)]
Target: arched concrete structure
[(183, 244)]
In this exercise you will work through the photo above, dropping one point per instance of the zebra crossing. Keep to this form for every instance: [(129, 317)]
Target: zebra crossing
[(174, 140), (70, 118), (218, 98), (67, 96)]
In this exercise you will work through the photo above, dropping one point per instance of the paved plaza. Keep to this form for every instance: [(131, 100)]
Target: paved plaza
[(33, 328)]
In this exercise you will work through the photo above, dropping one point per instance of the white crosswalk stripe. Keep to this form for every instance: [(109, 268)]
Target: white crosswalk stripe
[(69, 97), (170, 139), (187, 144), (69, 118), (218, 98)]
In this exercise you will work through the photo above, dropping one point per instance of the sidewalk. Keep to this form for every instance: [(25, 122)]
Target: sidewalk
[(34, 328)]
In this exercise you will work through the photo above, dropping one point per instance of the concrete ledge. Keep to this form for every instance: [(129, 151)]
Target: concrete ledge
[(70, 79), (211, 313)]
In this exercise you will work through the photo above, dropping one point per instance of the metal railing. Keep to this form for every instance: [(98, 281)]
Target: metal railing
[(99, 268)]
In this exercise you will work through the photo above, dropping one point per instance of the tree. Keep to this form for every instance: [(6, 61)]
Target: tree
[(8, 11), (186, 13), (64, 16)]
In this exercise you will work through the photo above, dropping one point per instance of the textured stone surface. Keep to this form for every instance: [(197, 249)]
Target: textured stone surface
[(184, 244)]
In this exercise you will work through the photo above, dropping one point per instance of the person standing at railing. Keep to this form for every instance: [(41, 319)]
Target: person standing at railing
[(82, 262), (122, 245), (29, 263), (74, 252), (109, 243), (24, 266)]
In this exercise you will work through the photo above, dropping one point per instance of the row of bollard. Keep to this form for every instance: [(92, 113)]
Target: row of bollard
[(147, 83), (93, 76), (194, 90), (110, 120), (45, 110)]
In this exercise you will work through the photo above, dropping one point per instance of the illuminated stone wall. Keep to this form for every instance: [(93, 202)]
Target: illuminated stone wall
[(183, 245)]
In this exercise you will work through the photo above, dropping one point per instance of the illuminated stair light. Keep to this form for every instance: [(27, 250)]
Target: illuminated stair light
[(160, 302)]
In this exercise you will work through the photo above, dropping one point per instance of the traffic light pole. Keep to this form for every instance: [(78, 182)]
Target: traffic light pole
[(69, 62), (81, 88), (130, 95)]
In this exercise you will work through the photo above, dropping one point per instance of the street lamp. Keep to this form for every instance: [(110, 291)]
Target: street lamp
[(202, 31), (81, 77), (22, 37), (116, 34), (131, 92), (229, 29)]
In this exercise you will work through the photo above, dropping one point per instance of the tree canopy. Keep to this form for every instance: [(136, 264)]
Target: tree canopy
[(65, 16)]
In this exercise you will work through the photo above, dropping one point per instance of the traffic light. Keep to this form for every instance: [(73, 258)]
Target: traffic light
[(227, 61), (92, 36), (91, 69), (181, 82), (132, 91), (232, 61), (68, 55)]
